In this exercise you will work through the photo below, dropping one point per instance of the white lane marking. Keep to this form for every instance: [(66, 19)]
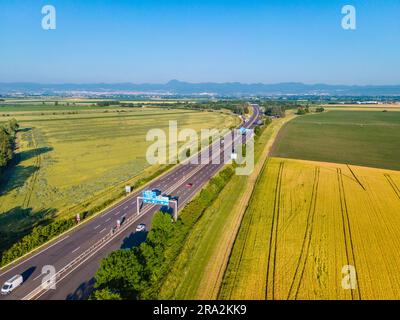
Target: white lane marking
[(96, 227), (117, 213), (40, 252), (76, 250), (102, 230), (37, 277), (108, 219), (126, 207)]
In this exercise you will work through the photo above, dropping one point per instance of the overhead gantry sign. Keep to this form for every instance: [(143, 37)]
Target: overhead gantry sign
[(151, 197)]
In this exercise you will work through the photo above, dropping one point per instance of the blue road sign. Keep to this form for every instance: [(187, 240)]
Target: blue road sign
[(149, 194), (152, 198)]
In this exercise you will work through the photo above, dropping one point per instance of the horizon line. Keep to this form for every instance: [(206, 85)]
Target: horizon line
[(196, 83)]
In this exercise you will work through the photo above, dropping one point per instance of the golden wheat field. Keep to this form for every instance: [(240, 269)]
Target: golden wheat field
[(306, 222)]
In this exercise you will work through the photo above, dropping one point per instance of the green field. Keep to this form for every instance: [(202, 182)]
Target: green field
[(70, 156), (366, 138)]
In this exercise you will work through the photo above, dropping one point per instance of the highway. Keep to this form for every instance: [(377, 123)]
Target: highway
[(77, 281)]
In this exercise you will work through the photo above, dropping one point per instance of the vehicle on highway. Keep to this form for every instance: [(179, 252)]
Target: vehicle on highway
[(189, 185), (12, 284), (141, 227)]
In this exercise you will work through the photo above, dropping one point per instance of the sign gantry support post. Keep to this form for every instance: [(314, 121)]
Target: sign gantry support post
[(153, 202)]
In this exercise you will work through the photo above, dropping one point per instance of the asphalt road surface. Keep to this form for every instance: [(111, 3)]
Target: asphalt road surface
[(77, 283)]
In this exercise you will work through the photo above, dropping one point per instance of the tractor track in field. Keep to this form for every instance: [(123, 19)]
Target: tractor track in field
[(251, 198), (348, 241), (355, 177), (393, 184), (242, 249), (305, 248), (271, 266)]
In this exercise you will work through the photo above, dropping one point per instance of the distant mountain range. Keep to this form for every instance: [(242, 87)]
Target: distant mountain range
[(175, 87)]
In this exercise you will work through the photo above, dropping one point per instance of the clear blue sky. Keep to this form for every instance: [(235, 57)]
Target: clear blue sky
[(221, 40)]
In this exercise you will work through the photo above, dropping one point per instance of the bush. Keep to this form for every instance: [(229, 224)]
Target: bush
[(275, 111), (302, 111), (39, 236)]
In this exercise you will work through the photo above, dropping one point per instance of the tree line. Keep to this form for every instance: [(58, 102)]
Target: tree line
[(306, 110), (8, 133), (236, 106)]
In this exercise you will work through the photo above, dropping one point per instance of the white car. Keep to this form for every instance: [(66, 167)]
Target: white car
[(12, 284), (141, 227)]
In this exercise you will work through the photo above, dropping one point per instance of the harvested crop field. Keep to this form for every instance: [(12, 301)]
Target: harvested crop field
[(306, 222)]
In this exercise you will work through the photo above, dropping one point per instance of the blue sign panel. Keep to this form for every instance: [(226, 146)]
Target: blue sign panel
[(149, 194), (152, 198)]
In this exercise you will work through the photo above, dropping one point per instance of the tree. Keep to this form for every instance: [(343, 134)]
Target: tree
[(302, 111), (13, 126), (238, 110), (319, 109), (120, 275), (153, 249), (131, 274), (6, 147), (275, 111), (105, 294), (267, 121)]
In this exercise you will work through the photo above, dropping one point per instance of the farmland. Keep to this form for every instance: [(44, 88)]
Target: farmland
[(363, 107), (305, 222), (365, 138), (69, 158)]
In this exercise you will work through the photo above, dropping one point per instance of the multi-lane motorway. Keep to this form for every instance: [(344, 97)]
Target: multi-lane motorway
[(77, 282)]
